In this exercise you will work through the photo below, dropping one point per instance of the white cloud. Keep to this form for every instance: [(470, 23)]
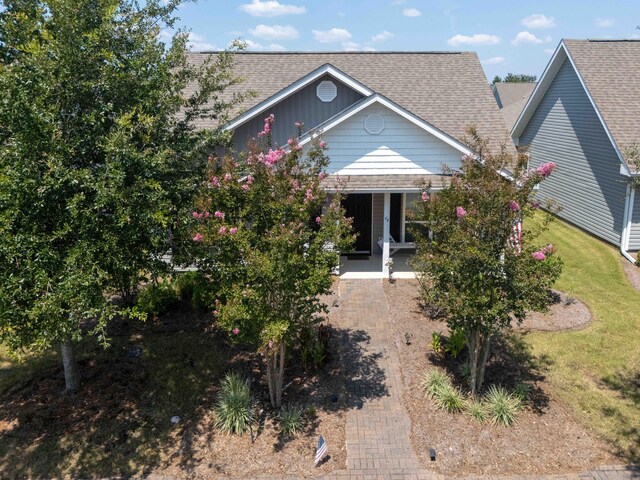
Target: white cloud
[(271, 8), (356, 47), (477, 39), (493, 61), (382, 36), (604, 22), (273, 32), (198, 43), (333, 35), (549, 51), (524, 38), (255, 46), (398, 2), (537, 20), (411, 12)]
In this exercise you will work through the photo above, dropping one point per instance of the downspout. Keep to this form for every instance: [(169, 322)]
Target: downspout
[(626, 227)]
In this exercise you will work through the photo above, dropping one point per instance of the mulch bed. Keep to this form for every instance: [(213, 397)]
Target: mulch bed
[(546, 438), (119, 424)]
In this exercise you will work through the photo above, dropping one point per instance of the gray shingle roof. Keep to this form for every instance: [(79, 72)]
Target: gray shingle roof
[(513, 97), (513, 92), (448, 90), (609, 70)]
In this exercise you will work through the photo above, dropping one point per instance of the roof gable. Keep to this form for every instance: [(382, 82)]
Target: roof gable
[(448, 90), (605, 70)]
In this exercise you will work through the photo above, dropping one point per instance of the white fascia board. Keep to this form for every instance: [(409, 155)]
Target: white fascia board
[(377, 98), (296, 86), (547, 77), (561, 53)]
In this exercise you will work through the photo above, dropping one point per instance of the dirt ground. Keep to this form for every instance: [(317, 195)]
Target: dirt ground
[(565, 313), (546, 438), (632, 272), (119, 423)]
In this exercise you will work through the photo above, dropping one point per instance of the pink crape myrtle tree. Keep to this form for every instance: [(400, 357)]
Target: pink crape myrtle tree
[(474, 264), (267, 235)]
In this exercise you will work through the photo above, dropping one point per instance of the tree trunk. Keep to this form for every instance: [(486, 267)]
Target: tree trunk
[(275, 374), (478, 344), (71, 373)]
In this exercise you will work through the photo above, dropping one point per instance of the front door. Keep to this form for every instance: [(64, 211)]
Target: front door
[(358, 207)]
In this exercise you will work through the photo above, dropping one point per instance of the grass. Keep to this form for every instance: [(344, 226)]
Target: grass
[(597, 369)]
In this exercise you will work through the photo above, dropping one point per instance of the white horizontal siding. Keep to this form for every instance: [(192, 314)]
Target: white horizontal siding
[(401, 148), (634, 234)]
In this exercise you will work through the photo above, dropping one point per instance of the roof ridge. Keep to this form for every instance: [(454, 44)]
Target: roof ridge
[(326, 52)]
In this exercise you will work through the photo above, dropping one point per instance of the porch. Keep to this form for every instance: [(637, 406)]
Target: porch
[(370, 266)]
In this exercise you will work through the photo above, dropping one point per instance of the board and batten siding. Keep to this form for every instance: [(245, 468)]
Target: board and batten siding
[(303, 106), (401, 148), (587, 184)]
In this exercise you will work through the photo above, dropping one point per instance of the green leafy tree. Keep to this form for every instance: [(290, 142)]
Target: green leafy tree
[(515, 78), (266, 234), (98, 152), (474, 267)]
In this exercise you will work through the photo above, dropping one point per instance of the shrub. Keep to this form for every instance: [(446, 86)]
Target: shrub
[(449, 399), (521, 392), (465, 370), (195, 288), (290, 419), (312, 411), (156, 299), (233, 408), (435, 380), (477, 410), (436, 342), (455, 343), (502, 407)]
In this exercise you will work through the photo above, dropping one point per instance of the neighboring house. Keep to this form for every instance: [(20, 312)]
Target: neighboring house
[(511, 98), (390, 120), (584, 115)]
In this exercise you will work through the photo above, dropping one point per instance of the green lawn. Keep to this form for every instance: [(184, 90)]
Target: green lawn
[(597, 370)]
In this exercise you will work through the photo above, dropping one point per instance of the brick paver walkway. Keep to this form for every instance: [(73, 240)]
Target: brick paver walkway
[(377, 425)]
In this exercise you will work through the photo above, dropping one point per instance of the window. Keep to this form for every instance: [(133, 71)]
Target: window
[(327, 91), (374, 124), (410, 200)]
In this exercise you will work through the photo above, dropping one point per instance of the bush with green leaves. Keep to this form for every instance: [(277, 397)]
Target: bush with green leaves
[(450, 399), (156, 299), (455, 342), (502, 406), (195, 288), (233, 409), (291, 421), (434, 381), (521, 392), (477, 410), (436, 342)]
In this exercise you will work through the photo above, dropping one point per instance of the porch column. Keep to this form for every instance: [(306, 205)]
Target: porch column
[(385, 233)]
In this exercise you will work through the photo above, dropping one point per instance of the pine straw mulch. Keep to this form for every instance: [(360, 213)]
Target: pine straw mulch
[(119, 422), (546, 438)]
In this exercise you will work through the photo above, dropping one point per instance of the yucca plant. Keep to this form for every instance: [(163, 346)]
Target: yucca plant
[(477, 410), (435, 380), (502, 406), (449, 399), (233, 408), (290, 419)]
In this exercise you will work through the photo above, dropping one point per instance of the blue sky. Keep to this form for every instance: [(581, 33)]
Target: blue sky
[(509, 35)]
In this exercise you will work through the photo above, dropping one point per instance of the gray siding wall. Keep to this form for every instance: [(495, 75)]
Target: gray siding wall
[(303, 106), (587, 184), (377, 221), (634, 235)]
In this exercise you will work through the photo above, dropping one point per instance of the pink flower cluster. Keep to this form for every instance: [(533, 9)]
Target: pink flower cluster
[(223, 230), (299, 125), (200, 215), (546, 168), (198, 238), (322, 176), (543, 252), (227, 177), (235, 331), (267, 126), (467, 157), (219, 214), (308, 196), (215, 182), (425, 197), (323, 144), (461, 212), (272, 157), (514, 206)]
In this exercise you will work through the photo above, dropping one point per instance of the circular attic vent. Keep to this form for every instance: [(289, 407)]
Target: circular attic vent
[(374, 124), (327, 91)]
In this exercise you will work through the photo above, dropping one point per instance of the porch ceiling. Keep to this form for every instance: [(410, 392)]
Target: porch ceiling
[(383, 183)]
